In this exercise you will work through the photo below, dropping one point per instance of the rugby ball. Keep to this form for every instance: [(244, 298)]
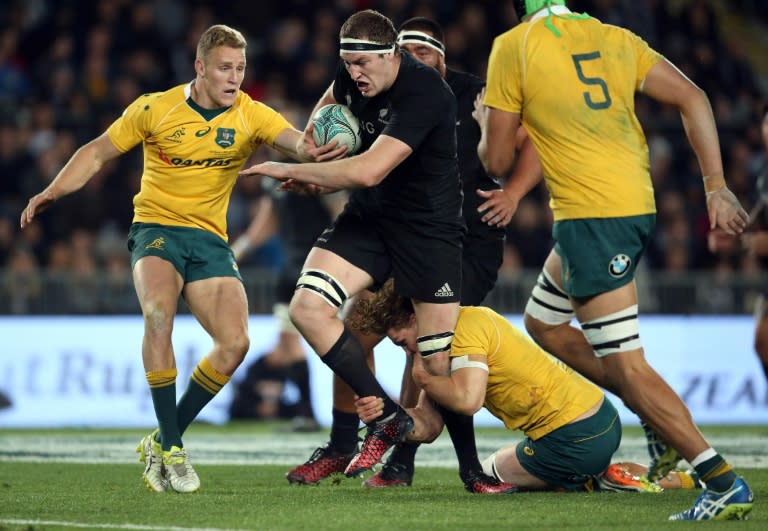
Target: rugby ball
[(336, 122)]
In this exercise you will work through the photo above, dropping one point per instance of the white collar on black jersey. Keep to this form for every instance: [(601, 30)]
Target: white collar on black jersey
[(556, 10)]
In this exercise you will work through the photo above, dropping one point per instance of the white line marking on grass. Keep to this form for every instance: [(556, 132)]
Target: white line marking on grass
[(59, 523), (292, 449)]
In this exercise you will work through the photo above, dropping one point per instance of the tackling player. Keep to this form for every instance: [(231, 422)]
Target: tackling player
[(571, 429)]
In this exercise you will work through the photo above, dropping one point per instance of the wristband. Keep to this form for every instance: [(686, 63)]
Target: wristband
[(713, 183), (241, 246)]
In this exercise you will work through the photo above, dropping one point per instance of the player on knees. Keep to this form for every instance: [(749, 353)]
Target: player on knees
[(500, 364), (604, 211), (496, 365)]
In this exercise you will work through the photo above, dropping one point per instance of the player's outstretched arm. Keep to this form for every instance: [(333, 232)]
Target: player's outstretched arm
[(665, 83), (359, 171), (83, 165), (300, 146)]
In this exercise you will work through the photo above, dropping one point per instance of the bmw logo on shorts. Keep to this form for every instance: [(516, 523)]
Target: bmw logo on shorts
[(619, 265)]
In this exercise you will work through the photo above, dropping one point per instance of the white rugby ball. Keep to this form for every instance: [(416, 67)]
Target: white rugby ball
[(336, 122)]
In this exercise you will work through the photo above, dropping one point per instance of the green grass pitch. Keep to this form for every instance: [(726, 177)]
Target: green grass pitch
[(89, 479)]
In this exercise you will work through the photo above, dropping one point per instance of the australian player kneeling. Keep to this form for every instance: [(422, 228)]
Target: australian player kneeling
[(571, 429)]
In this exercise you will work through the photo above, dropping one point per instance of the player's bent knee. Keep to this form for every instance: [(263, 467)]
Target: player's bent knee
[(428, 425), (234, 348), (317, 295), (616, 332), (548, 303), (322, 285), (158, 320), (430, 432), (241, 344)]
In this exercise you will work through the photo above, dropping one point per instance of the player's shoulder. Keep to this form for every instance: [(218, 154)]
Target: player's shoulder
[(461, 82), (154, 104), (416, 73), (248, 104), (172, 96), (619, 33), (243, 98), (513, 34)]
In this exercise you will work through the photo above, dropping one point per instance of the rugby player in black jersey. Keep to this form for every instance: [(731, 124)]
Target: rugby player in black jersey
[(481, 258), (403, 218)]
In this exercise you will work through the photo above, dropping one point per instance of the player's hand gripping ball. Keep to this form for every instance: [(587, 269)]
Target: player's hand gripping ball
[(336, 122)]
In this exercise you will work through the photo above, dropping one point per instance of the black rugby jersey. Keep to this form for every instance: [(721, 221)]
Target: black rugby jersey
[(465, 88), (420, 110)]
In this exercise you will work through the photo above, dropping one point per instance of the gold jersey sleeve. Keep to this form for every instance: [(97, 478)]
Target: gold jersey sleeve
[(190, 161), (528, 389), (576, 96)]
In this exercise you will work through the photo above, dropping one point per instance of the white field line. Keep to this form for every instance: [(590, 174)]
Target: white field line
[(750, 451), (63, 523)]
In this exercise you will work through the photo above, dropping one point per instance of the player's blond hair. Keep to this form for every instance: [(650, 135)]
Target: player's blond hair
[(385, 310), (219, 35)]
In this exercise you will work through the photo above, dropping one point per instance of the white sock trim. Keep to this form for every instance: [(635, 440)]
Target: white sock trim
[(709, 453)]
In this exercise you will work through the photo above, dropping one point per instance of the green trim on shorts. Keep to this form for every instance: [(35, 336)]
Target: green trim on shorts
[(195, 253), (600, 254), (568, 457)]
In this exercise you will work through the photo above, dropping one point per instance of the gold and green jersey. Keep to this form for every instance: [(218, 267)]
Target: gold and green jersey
[(191, 155), (576, 96), (528, 389)]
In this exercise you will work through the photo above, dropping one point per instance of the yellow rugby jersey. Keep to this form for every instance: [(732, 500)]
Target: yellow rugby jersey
[(528, 389), (576, 95), (191, 163)]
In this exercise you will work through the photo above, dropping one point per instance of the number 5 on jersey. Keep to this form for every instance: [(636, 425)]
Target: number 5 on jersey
[(600, 82)]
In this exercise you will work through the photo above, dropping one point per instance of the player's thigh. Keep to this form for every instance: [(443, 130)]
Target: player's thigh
[(600, 255), (481, 259), (158, 285), (553, 266), (606, 303), (214, 289), (426, 264), (505, 466), (327, 281), (157, 260), (354, 241), (221, 307)]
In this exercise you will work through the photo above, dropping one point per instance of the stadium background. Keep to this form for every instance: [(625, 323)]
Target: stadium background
[(68, 68)]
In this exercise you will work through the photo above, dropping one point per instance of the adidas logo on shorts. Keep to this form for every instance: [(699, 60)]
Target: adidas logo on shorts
[(444, 291)]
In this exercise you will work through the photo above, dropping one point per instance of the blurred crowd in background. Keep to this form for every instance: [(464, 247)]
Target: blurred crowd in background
[(69, 68)]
